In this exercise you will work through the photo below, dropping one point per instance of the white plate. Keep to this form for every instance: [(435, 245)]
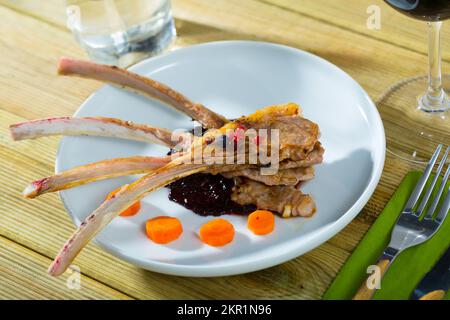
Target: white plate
[(234, 78)]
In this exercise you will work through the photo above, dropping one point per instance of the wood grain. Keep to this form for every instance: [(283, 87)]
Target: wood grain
[(33, 37), (395, 28), (351, 15), (373, 63), (23, 276)]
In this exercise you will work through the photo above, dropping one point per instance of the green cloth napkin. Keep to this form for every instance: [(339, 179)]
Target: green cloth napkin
[(410, 266)]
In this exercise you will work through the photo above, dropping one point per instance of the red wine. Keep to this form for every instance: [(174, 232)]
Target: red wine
[(429, 10)]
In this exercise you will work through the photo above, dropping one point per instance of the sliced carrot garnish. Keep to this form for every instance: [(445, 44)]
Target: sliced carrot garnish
[(217, 232), (131, 211), (163, 229), (261, 222)]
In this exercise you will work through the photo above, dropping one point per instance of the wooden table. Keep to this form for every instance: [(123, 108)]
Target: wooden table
[(33, 36)]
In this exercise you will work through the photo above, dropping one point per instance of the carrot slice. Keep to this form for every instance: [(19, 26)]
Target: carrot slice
[(217, 232), (163, 229), (131, 211), (261, 222)]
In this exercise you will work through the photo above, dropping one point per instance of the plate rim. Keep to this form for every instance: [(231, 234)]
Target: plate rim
[(310, 241)]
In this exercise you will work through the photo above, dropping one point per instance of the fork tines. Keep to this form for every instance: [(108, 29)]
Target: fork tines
[(418, 190)]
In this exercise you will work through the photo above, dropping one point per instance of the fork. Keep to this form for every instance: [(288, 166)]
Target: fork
[(415, 226)]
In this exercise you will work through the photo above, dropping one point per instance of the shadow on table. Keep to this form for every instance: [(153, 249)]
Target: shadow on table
[(193, 33)]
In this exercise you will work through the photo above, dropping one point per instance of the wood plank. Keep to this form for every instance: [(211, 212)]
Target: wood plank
[(33, 91), (30, 75), (373, 63), (396, 28), (351, 15), (51, 11), (23, 276)]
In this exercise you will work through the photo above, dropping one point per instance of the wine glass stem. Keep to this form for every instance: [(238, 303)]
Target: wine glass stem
[(435, 99)]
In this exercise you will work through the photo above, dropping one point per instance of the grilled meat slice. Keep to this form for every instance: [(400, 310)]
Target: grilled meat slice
[(286, 200), (290, 177), (312, 158)]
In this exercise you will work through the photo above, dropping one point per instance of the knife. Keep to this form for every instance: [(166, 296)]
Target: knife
[(436, 282)]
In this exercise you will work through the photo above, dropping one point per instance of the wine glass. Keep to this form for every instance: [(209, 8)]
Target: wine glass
[(416, 111)]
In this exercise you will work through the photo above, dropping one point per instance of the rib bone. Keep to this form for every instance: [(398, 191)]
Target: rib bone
[(91, 126), (143, 85), (100, 170)]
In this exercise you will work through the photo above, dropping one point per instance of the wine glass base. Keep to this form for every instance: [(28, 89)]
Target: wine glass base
[(412, 132)]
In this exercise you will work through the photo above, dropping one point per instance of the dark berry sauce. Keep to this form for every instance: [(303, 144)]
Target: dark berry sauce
[(207, 195)]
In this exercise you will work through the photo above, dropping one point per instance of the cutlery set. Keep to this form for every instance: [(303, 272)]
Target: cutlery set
[(420, 219)]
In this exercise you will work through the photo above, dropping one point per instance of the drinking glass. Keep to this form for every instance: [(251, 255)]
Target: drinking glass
[(121, 32), (415, 111)]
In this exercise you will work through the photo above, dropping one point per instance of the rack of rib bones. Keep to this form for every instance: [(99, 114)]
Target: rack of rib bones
[(268, 154)]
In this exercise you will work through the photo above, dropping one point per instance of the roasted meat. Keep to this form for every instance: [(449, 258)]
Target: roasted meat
[(183, 166), (265, 180)]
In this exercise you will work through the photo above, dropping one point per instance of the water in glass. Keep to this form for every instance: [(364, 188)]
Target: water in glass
[(121, 32)]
